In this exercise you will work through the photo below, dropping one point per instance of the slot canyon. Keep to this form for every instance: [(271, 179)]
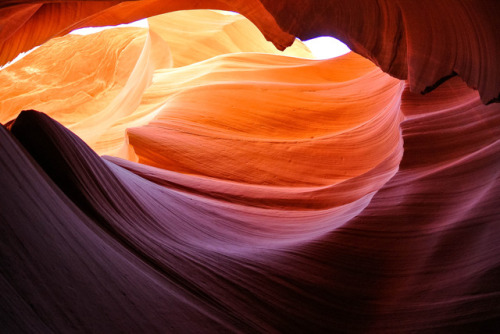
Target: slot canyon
[(206, 173)]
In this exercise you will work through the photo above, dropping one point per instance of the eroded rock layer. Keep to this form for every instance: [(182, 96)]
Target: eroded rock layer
[(423, 42), (244, 191)]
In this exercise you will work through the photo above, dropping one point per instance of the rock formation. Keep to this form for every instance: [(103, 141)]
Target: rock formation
[(191, 178)]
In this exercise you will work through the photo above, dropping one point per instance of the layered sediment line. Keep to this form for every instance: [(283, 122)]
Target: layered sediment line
[(247, 190)]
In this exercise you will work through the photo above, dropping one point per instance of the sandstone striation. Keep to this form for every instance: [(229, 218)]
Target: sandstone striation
[(189, 177)]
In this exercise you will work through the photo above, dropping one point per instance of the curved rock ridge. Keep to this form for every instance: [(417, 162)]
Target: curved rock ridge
[(248, 191), (212, 33), (425, 43), (97, 81), (98, 88), (288, 127), (21, 19), (420, 254)]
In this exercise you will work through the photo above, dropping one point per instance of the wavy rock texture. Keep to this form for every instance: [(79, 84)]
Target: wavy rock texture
[(255, 192), (294, 123), (211, 33), (98, 88), (92, 83), (424, 42)]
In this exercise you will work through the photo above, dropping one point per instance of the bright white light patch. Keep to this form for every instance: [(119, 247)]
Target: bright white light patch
[(325, 47), (225, 12), (91, 30), (19, 57), (84, 31)]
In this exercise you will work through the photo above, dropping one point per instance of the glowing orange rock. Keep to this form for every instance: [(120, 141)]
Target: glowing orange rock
[(286, 122), (212, 33), (97, 91), (98, 80), (274, 194), (422, 42)]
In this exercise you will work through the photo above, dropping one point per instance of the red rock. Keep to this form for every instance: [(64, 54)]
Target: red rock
[(263, 193), (424, 43)]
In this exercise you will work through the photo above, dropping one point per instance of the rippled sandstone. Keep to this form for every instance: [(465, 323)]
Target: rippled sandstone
[(250, 192)]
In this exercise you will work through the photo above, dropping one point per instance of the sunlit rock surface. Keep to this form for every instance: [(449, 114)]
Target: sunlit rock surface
[(246, 190), (423, 42), (211, 33), (92, 84), (99, 79)]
